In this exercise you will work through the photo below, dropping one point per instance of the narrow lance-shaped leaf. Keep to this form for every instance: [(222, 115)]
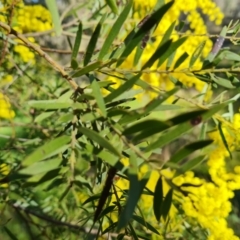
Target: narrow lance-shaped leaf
[(49, 149), (96, 137), (110, 228), (41, 167), (183, 128), (167, 35), (115, 30), (174, 46), (156, 55), (146, 125), (112, 4), (151, 106), (187, 150), (222, 82), (196, 54), (190, 165), (167, 202), (50, 104), (53, 8), (93, 41), (181, 60), (150, 127), (123, 88), (133, 232), (135, 191), (10, 234), (98, 96), (152, 21), (145, 224), (133, 168), (138, 54), (76, 46), (224, 139), (231, 56), (157, 199), (87, 69)]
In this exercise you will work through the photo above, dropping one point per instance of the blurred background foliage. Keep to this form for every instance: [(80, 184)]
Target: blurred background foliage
[(99, 100)]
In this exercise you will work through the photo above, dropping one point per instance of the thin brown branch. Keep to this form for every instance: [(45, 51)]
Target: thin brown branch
[(37, 49), (48, 218), (184, 70), (5, 45)]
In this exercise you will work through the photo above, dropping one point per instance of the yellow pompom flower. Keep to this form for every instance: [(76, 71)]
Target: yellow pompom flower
[(5, 108), (27, 18), (197, 27)]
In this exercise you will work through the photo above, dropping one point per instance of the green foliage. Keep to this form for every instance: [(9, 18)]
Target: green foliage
[(74, 138)]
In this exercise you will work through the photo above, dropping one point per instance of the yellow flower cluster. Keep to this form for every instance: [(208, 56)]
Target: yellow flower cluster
[(197, 26), (205, 202), (210, 202), (27, 18), (5, 108)]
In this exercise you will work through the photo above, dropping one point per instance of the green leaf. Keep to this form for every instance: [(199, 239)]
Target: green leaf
[(50, 104), (186, 116), (174, 46), (49, 149), (93, 42), (187, 150), (167, 202), (53, 8), (110, 228), (159, 52), (98, 96), (167, 107), (133, 168), (108, 157), (181, 60), (87, 69), (231, 56), (168, 34), (100, 140), (222, 82), (43, 116), (133, 232), (159, 4), (135, 191), (123, 88), (76, 47), (11, 235), (224, 139), (146, 126), (41, 167), (157, 199), (145, 224), (107, 210), (196, 54), (138, 54), (152, 21), (91, 199), (115, 30), (177, 131), (190, 165), (155, 103), (112, 4)]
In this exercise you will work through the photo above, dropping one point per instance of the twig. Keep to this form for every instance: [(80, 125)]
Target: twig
[(48, 219), (4, 50), (37, 49), (184, 70)]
